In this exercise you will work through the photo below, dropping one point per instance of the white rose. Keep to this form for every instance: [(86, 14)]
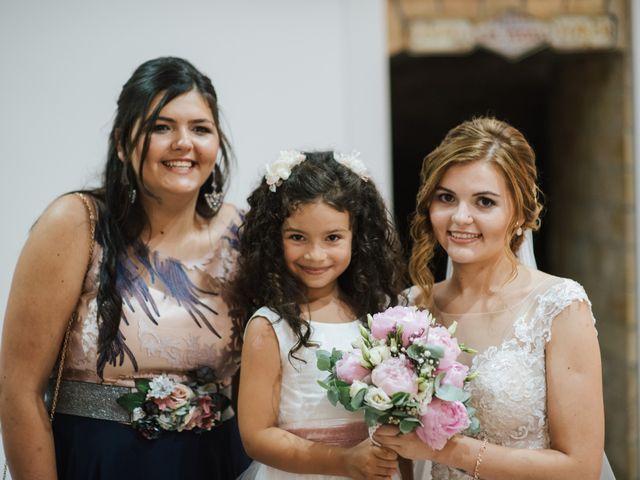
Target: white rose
[(424, 396), (358, 343), (356, 386), (377, 399), (379, 354), (352, 162), (166, 422), (281, 169), (137, 414)]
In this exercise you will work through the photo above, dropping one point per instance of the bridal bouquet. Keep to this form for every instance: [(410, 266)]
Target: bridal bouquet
[(403, 371), (161, 403)]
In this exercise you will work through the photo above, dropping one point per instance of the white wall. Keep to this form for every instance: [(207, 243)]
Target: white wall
[(289, 74)]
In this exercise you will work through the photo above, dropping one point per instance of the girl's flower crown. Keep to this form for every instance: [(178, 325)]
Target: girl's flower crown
[(280, 170)]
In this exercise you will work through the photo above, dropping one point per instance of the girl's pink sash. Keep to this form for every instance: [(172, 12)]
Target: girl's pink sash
[(343, 436)]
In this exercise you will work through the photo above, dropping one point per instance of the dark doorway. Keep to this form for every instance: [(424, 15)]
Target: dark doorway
[(571, 108), (430, 95)]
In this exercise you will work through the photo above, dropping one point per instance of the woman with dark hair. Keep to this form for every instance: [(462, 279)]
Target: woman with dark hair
[(148, 312)]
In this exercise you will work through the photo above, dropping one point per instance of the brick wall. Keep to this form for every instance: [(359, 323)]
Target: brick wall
[(590, 220)]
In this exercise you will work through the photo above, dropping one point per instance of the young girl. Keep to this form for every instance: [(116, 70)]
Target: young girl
[(317, 253)]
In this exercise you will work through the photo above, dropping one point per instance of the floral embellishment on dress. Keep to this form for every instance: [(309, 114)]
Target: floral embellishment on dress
[(161, 403), (353, 163), (161, 387), (280, 170)]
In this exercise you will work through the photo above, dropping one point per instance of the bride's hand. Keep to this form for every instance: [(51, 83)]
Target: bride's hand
[(367, 461), (407, 446)]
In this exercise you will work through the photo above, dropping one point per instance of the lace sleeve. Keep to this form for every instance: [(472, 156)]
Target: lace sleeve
[(553, 301)]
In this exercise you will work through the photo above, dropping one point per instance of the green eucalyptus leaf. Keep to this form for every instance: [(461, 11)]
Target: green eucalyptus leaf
[(474, 426), (399, 398), (345, 398), (323, 361), (452, 394), (437, 351), (333, 397), (358, 399), (409, 424), (324, 364), (323, 384), (415, 351), (371, 416), (335, 355)]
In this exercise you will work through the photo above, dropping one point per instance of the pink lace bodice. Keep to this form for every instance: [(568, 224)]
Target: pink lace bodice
[(173, 318)]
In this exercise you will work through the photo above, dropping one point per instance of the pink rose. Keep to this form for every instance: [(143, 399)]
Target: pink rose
[(442, 421), (454, 375), (179, 397), (349, 368), (191, 419), (395, 375), (209, 416), (201, 415), (382, 324), (414, 324), (441, 336)]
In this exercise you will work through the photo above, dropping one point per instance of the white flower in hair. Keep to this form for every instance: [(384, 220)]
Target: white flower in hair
[(353, 163), (280, 170)]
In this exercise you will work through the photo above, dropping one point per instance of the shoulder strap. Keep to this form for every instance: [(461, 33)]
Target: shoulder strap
[(92, 226), (65, 343)]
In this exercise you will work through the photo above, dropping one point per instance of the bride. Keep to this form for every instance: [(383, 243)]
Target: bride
[(538, 390)]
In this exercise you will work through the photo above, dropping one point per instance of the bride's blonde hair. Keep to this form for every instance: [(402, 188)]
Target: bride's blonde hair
[(480, 139)]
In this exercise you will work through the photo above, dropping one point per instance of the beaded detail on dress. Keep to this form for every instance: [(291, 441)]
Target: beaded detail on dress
[(509, 393)]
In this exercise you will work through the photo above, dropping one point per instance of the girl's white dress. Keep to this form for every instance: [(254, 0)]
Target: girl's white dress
[(304, 408)]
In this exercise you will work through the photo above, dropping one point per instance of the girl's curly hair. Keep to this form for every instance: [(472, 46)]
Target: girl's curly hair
[(374, 278)]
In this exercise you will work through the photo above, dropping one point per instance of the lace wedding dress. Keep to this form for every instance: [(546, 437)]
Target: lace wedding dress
[(510, 392)]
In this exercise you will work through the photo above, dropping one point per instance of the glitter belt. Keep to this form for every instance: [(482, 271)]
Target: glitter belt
[(96, 400), (93, 400)]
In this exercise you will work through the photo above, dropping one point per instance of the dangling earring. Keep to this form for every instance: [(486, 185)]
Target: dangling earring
[(214, 199), (133, 193), (519, 231)]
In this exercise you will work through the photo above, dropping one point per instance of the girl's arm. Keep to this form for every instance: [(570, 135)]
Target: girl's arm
[(258, 407), (574, 409), (46, 286)]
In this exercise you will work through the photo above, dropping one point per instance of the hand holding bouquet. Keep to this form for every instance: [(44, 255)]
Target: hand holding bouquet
[(403, 371)]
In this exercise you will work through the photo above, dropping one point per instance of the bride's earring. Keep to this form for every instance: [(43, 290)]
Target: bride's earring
[(519, 231)]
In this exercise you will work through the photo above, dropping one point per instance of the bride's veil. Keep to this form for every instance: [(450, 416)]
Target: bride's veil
[(527, 257)]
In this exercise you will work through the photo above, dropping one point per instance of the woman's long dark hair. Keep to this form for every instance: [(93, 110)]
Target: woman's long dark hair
[(375, 275), (120, 222)]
